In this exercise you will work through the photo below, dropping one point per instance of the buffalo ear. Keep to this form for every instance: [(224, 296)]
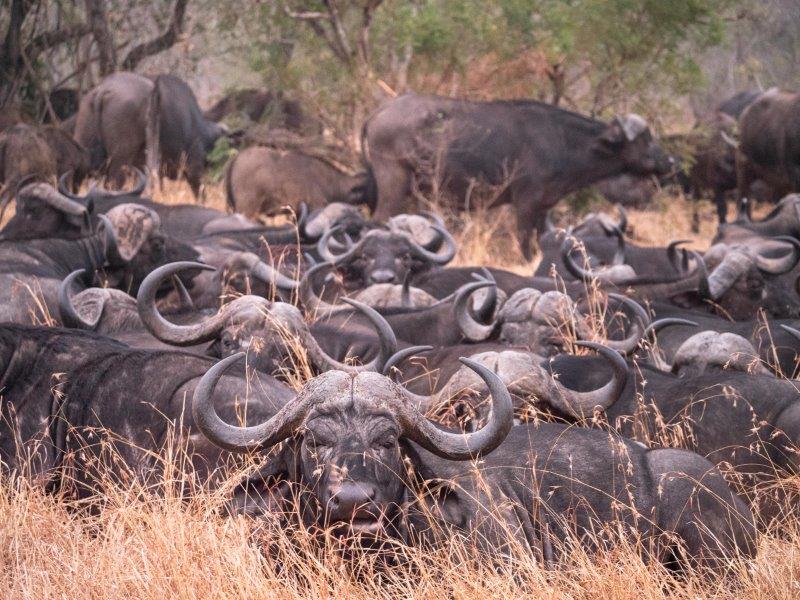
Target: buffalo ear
[(613, 136)]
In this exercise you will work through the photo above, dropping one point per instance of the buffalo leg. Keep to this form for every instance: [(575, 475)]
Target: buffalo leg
[(722, 205), (394, 186), (530, 215)]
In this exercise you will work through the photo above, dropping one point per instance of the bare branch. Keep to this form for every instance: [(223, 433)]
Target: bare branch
[(50, 39), (305, 15), (98, 21), (162, 42), (338, 28)]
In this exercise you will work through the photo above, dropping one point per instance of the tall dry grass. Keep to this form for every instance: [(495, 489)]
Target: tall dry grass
[(150, 542)]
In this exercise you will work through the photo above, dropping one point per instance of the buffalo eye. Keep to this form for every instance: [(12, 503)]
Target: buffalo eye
[(387, 441), (157, 244), (754, 284), (228, 345)]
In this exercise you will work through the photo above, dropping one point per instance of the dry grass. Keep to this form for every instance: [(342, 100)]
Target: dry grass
[(151, 543)]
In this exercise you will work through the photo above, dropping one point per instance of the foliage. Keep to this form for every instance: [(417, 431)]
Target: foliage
[(597, 56)]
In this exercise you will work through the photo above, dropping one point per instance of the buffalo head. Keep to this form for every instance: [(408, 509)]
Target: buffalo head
[(629, 138), (137, 245), (350, 432), (41, 211), (383, 256), (762, 274), (264, 329)]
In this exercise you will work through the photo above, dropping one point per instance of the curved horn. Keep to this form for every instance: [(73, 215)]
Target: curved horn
[(433, 218), (652, 330), (434, 257), (792, 331), (272, 276), (728, 139), (640, 322), (386, 337), (113, 255), (470, 328), (170, 333), (324, 251), (242, 439), (141, 183), (574, 269), (399, 356), (672, 254), (733, 264), (64, 188), (619, 253), (486, 310), (69, 315), (312, 303), (463, 446), (405, 291), (581, 404), (784, 264), (622, 224)]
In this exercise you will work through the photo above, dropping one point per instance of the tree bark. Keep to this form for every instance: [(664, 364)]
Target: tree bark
[(98, 21), (163, 42)]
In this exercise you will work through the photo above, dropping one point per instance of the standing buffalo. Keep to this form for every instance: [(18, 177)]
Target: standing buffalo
[(535, 153), (130, 120), (261, 180), (769, 146)]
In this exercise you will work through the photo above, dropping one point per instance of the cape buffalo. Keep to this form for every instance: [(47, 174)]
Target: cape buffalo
[(538, 153), (259, 181), (128, 116), (69, 396), (362, 453)]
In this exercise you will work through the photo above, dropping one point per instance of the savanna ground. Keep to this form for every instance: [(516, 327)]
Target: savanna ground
[(147, 541)]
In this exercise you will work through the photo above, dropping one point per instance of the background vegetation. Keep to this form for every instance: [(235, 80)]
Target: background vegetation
[(342, 57)]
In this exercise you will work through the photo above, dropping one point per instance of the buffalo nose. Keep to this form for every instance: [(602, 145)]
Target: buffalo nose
[(382, 276), (349, 499)]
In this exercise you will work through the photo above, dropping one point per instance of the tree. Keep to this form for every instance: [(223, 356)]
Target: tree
[(39, 33)]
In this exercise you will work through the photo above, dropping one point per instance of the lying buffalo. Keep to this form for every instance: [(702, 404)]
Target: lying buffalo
[(536, 152), (131, 120), (363, 454), (260, 181), (69, 396), (125, 246)]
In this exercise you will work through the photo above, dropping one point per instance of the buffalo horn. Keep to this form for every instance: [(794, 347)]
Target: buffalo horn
[(69, 315), (433, 257), (463, 446), (170, 333), (386, 338), (470, 328), (778, 266), (640, 320), (672, 255), (242, 439)]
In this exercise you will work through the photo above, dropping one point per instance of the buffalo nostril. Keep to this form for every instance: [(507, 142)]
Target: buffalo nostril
[(383, 276)]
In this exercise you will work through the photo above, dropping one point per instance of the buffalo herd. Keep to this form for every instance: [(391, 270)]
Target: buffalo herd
[(618, 388)]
